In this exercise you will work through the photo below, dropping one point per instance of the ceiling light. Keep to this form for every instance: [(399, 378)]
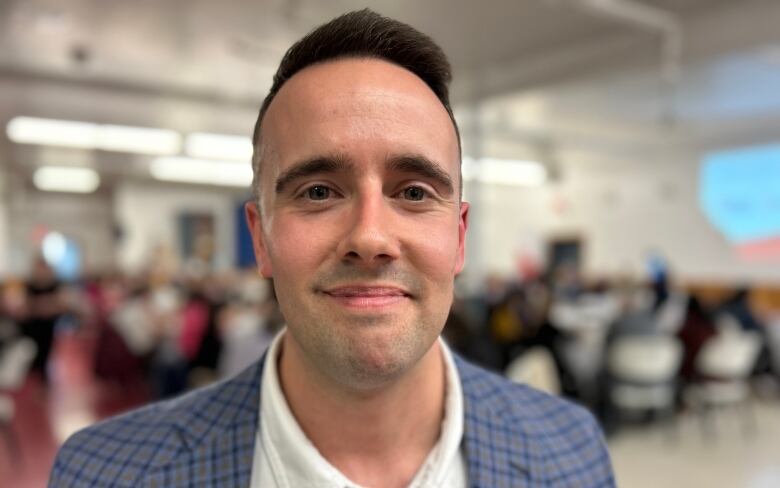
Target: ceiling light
[(85, 135), (505, 171), (140, 140), (66, 179), (205, 172), (218, 146), (31, 130)]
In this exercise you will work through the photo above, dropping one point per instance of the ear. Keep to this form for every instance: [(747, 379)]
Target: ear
[(463, 224), (255, 224)]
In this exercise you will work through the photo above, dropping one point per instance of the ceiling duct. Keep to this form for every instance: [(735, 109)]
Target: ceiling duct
[(655, 19)]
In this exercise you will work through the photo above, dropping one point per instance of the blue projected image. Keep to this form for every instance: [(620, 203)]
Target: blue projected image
[(740, 192), (63, 255)]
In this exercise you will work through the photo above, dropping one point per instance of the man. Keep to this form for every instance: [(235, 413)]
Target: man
[(358, 219)]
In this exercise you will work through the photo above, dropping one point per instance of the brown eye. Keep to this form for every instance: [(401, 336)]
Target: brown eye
[(414, 193), (318, 192)]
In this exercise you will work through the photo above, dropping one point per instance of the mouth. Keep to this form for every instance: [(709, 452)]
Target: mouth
[(367, 296)]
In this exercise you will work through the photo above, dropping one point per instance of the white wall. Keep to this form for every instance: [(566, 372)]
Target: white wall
[(87, 219), (147, 214), (621, 210)]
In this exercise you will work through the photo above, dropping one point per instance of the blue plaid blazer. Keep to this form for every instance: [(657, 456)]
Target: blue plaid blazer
[(513, 436)]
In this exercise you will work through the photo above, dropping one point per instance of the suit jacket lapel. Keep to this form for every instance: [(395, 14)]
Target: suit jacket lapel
[(496, 448), (218, 436)]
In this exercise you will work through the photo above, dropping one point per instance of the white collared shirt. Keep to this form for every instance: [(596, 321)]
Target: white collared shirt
[(285, 458)]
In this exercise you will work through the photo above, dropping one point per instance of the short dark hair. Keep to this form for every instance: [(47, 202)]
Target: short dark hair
[(362, 33)]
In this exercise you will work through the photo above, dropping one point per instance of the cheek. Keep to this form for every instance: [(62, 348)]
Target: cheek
[(296, 249), (435, 253)]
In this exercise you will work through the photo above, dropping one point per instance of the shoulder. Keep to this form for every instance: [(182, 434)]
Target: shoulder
[(556, 439), (124, 449), (515, 401)]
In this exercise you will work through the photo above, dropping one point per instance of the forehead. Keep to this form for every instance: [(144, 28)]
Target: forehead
[(360, 106)]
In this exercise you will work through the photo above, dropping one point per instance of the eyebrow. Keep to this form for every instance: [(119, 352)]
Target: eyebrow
[(420, 165), (313, 166)]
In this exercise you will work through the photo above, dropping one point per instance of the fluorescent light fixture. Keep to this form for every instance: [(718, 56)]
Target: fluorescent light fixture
[(31, 130), (85, 135), (66, 179), (140, 140), (200, 171), (505, 171), (218, 146)]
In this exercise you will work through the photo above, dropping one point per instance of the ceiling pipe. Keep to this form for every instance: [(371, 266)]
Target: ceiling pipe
[(666, 23), (635, 12), (652, 18)]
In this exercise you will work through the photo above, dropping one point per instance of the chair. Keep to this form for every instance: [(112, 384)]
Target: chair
[(671, 316), (535, 367), (727, 323), (773, 340), (15, 361), (643, 374), (724, 365), (584, 325)]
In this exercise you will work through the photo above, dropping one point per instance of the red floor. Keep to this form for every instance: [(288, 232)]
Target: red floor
[(45, 416)]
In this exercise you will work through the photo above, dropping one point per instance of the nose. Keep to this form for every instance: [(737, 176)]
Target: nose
[(371, 238)]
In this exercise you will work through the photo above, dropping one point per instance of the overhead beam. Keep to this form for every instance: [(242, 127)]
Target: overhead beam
[(115, 85), (732, 28)]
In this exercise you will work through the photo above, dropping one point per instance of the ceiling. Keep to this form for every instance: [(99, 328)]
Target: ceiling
[(230, 49), (558, 70)]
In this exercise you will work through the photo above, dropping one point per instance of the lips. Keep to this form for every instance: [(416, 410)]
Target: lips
[(366, 291), (367, 297)]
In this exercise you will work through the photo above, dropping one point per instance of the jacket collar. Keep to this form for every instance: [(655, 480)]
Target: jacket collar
[(218, 431), (222, 424), (495, 443)]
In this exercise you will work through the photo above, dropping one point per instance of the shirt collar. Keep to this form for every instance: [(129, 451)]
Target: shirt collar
[(295, 461)]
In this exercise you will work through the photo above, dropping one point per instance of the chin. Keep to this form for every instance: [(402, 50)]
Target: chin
[(377, 364), (363, 353), (372, 374)]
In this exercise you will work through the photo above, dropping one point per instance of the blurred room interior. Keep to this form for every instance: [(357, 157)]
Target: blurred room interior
[(622, 159)]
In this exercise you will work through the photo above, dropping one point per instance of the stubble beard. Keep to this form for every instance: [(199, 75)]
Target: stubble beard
[(362, 352), (363, 355)]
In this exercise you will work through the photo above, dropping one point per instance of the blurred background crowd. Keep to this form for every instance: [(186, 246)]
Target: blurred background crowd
[(627, 349)]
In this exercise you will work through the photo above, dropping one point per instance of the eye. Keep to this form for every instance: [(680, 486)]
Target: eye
[(318, 192), (414, 193)]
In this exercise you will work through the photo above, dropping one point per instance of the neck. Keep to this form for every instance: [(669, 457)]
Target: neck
[(379, 437)]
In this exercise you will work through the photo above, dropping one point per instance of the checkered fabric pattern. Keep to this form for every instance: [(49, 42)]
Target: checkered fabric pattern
[(205, 438), (514, 436)]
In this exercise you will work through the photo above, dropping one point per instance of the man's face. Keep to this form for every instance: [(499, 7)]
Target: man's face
[(362, 228)]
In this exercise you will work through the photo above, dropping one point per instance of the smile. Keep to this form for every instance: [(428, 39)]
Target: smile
[(367, 297)]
